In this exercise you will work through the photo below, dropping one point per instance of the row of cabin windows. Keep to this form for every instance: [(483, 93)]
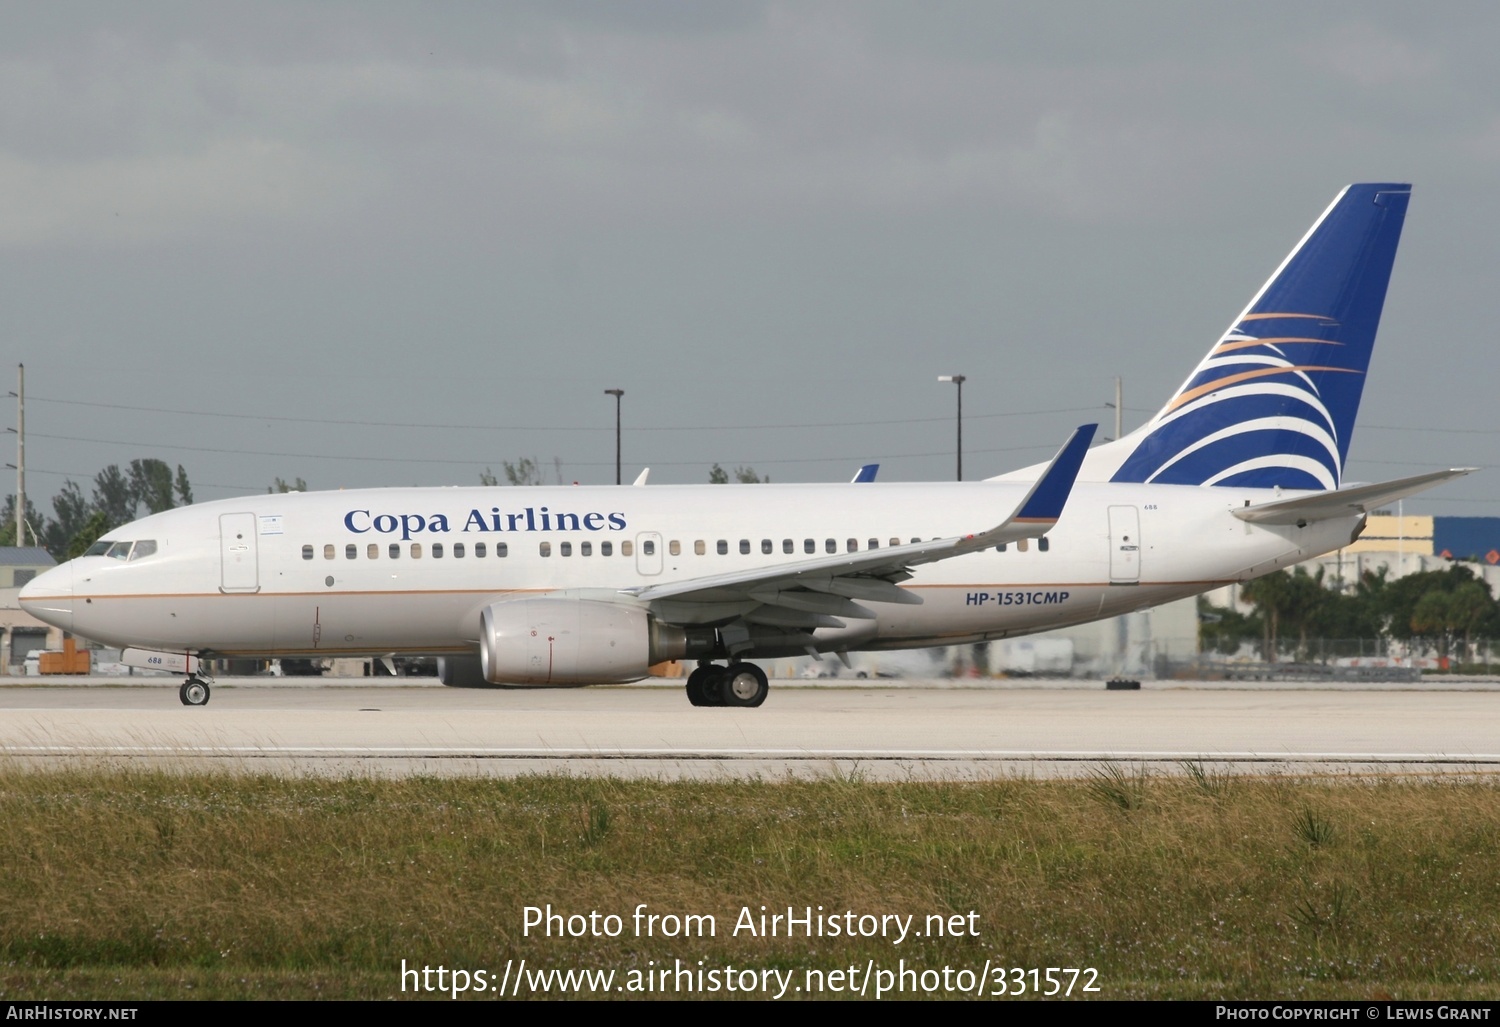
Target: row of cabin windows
[(627, 548), (459, 550)]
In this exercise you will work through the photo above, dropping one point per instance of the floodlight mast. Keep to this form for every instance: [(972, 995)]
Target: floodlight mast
[(617, 393), (958, 379)]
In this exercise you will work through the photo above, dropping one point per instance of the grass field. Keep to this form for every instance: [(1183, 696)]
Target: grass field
[(121, 884)]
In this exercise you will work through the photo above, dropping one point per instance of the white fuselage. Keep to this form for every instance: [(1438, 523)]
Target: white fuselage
[(379, 571)]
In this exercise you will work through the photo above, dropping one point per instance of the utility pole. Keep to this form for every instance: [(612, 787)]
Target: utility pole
[(958, 379), (617, 393), (1119, 405), (20, 454)]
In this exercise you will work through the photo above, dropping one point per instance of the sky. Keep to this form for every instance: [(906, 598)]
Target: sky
[(372, 244)]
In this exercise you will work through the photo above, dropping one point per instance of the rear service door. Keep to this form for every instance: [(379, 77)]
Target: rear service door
[(237, 553), (1124, 545)]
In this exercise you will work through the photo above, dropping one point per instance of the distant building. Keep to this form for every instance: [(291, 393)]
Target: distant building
[(20, 632), (1455, 538)]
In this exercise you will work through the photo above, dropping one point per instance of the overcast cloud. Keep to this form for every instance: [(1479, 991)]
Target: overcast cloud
[(772, 224)]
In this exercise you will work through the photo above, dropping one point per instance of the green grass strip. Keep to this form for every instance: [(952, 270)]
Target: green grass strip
[(133, 884)]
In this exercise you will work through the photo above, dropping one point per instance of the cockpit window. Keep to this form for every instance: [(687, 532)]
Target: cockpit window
[(119, 551), (99, 548), (145, 547)]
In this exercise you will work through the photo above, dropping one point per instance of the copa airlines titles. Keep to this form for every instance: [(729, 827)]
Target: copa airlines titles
[(530, 519)]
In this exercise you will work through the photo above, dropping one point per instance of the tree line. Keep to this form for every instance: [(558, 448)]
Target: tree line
[(1448, 611), (527, 471), (119, 496)]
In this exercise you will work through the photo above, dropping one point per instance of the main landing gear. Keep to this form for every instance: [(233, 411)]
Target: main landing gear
[(739, 684), (194, 691)]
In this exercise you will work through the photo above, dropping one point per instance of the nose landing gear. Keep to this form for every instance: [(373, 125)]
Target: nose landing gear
[(739, 684), (194, 691)]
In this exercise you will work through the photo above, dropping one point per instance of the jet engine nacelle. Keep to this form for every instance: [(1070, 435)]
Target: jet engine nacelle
[(572, 642)]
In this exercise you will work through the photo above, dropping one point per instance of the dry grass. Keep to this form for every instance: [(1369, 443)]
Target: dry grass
[(133, 884)]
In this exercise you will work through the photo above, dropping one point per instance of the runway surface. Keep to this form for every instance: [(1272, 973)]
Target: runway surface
[(911, 731)]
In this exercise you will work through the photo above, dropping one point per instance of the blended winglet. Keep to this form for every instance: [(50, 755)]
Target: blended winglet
[(1044, 503), (865, 473)]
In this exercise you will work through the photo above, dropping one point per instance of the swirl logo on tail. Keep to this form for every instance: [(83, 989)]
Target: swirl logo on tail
[(1274, 401)]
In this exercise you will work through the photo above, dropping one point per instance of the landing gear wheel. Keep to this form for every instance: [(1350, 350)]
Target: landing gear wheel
[(194, 692), (744, 684), (702, 686)]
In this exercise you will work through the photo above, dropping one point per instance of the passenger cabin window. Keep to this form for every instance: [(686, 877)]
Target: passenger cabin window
[(831, 545), (565, 549), (674, 547), (699, 548), (437, 550), (546, 549), (648, 547), (374, 551), (895, 541), (1000, 548), (395, 550), (329, 551), (787, 546), (606, 548), (351, 552), (809, 545), (1021, 546), (1043, 544), (723, 547), (874, 543), (458, 550), (765, 546), (416, 550), (307, 552), (627, 548), (480, 552), (744, 547), (853, 545), (502, 550), (585, 549)]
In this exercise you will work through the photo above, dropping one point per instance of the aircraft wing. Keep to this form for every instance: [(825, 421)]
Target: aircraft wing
[(812, 592), (1344, 502)]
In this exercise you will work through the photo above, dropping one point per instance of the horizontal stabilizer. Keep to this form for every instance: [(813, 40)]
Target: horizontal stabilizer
[(1345, 502)]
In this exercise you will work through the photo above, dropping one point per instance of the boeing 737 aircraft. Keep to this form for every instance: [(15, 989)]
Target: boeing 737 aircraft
[(1240, 473)]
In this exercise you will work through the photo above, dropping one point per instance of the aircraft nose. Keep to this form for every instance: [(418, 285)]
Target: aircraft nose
[(49, 597)]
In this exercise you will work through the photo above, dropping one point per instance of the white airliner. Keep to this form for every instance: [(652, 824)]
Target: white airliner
[(1240, 473)]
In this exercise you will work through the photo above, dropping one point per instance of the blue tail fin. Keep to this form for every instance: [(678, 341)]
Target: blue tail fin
[(1274, 401)]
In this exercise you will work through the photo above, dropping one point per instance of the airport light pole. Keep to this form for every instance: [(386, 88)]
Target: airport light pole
[(958, 379), (617, 393)]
